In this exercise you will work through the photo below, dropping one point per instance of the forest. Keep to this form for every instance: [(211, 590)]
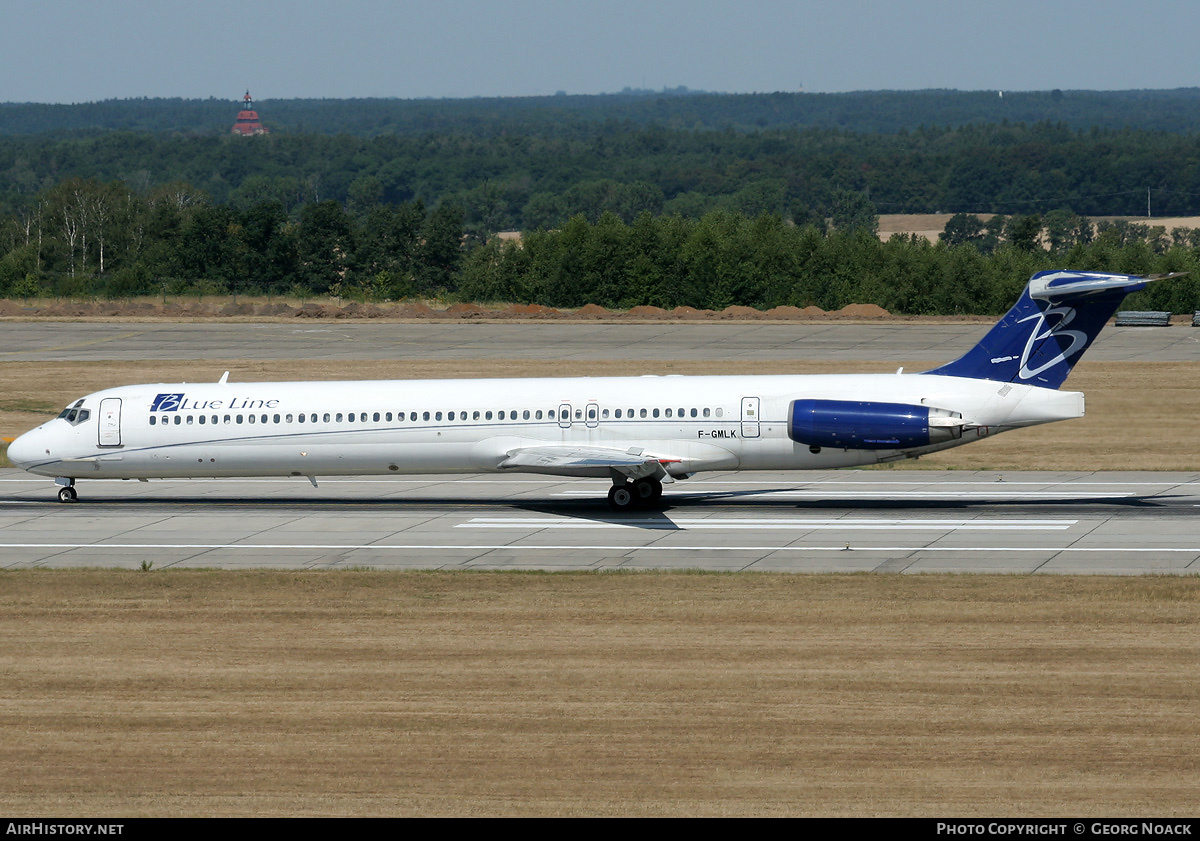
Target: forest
[(616, 206)]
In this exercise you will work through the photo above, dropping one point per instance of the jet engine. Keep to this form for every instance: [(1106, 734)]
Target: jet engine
[(867, 425)]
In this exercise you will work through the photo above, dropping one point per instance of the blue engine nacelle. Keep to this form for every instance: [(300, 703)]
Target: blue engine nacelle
[(859, 425)]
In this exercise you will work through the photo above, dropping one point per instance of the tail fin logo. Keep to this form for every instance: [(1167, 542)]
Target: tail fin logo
[(1079, 339)]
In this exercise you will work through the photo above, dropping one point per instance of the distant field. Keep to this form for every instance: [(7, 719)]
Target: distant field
[(930, 225)]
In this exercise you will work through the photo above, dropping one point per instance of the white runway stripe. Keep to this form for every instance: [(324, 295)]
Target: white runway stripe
[(873, 493), (444, 547), (805, 524)]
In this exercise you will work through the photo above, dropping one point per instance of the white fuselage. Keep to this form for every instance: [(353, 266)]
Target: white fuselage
[(447, 426)]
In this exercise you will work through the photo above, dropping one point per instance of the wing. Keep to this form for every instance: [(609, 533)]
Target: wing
[(565, 460)]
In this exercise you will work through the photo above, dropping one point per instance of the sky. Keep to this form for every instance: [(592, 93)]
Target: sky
[(65, 51)]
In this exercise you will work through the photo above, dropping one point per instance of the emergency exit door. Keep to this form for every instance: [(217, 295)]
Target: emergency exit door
[(749, 417), (110, 422)]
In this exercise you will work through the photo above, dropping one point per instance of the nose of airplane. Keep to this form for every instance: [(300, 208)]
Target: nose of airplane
[(25, 450)]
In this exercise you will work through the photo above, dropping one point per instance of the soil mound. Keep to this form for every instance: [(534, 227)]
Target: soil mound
[(863, 311), (533, 311), (592, 311), (742, 313), (647, 312)]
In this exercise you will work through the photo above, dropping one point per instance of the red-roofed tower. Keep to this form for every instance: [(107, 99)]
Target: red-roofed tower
[(247, 119)]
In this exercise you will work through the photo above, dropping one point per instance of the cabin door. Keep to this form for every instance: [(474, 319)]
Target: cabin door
[(110, 422), (749, 417)]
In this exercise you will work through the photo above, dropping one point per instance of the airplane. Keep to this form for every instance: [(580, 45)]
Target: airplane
[(637, 432)]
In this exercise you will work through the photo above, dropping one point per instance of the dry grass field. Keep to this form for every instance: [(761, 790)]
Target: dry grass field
[(362, 693)]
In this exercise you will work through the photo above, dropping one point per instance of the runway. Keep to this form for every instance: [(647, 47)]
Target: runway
[(843, 521), (940, 342), (873, 520)]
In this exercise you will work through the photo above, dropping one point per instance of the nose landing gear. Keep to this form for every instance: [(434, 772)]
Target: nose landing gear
[(67, 493)]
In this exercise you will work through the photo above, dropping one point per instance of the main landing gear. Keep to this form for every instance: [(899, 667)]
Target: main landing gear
[(640, 494)]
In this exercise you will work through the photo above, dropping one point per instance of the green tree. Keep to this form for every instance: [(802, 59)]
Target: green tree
[(853, 211)]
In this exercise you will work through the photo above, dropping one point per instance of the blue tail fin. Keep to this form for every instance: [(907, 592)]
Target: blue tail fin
[(1048, 329)]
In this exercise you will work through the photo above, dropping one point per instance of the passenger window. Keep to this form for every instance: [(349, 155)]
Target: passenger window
[(525, 414), (300, 417), (263, 418), (501, 415), (289, 417), (538, 414), (668, 413), (239, 418), (276, 419), (375, 417), (706, 411), (152, 420), (720, 411), (412, 416), (488, 415), (616, 414), (656, 413), (250, 418), (388, 416), (203, 419), (178, 420), (350, 417), (437, 416), (475, 415), (643, 413), (550, 414), (450, 416), (190, 419), (693, 413)]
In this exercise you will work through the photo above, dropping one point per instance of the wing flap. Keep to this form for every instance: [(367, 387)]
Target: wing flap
[(587, 461)]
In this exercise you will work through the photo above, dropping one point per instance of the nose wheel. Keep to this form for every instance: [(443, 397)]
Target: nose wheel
[(67, 495)]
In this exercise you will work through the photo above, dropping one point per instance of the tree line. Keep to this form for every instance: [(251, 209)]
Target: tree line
[(93, 238), (526, 180), (565, 115)]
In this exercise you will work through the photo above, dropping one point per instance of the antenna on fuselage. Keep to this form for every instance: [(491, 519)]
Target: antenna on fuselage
[(224, 379)]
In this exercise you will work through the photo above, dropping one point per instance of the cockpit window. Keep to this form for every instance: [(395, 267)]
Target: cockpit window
[(74, 415)]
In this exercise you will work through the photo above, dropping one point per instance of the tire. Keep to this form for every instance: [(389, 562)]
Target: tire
[(621, 497)]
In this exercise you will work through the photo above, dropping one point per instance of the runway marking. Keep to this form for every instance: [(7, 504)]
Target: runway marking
[(871, 492), (695, 485), (446, 547), (733, 524)]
